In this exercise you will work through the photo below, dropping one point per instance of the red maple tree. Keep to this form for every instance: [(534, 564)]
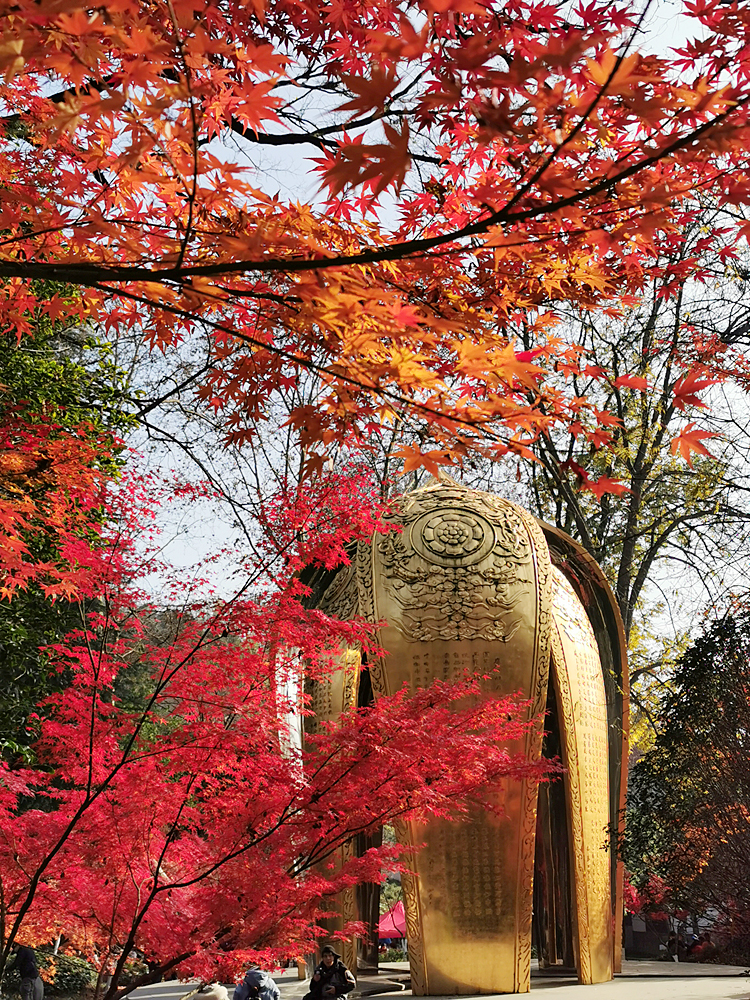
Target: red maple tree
[(171, 810)]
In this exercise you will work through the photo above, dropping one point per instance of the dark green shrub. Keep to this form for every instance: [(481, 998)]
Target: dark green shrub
[(11, 983), (72, 975), (394, 955), (62, 974)]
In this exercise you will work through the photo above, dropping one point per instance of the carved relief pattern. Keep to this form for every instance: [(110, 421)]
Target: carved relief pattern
[(320, 700), (341, 599), (349, 911), (366, 599), (466, 566), (470, 566), (539, 681), (412, 911), (328, 700), (580, 685), (460, 568), (365, 584), (351, 665), (562, 684), (464, 875)]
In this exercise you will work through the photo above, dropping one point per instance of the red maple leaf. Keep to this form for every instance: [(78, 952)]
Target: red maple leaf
[(631, 382), (689, 441), (685, 390), (604, 484)]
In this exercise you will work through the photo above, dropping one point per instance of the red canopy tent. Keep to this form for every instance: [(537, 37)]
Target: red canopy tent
[(393, 923)]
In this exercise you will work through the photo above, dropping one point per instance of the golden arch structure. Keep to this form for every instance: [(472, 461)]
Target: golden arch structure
[(474, 581)]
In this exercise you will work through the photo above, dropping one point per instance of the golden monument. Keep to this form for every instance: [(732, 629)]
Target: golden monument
[(472, 580)]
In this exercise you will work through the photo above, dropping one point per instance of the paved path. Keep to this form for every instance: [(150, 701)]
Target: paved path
[(639, 981)]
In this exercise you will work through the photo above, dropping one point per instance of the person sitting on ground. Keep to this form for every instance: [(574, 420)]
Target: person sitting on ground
[(257, 985), (707, 951), (331, 978), (32, 987), (692, 944)]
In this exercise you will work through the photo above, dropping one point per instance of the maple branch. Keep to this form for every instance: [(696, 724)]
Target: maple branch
[(90, 274), (139, 917), (316, 136), (194, 122), (174, 391), (547, 162), (309, 365), (164, 680), (551, 461), (225, 494)]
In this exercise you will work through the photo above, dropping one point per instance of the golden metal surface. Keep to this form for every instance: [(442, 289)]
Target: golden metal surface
[(468, 583), (582, 702), (328, 700), (465, 585), (603, 612)]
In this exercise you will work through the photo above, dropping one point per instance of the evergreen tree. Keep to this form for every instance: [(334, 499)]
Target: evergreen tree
[(57, 378), (688, 820)]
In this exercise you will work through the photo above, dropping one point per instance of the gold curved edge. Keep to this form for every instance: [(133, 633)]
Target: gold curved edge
[(328, 699), (581, 699), (592, 587), (457, 916)]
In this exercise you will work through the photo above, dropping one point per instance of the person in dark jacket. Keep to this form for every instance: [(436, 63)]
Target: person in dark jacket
[(24, 961), (257, 985), (331, 978)]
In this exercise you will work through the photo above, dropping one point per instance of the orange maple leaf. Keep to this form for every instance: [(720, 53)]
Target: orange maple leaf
[(430, 460), (604, 484), (685, 390), (12, 59), (689, 441), (511, 369), (631, 382)]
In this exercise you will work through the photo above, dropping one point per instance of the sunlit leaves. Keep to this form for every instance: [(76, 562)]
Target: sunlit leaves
[(171, 752), (478, 167), (687, 388), (689, 442)]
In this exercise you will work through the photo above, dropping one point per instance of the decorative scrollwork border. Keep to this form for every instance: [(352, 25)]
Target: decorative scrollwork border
[(539, 681)]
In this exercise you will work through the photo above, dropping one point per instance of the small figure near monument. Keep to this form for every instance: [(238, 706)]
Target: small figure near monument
[(257, 985), (331, 978), (24, 961)]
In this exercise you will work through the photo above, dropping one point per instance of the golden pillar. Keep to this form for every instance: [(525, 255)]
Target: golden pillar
[(468, 580), (328, 700)]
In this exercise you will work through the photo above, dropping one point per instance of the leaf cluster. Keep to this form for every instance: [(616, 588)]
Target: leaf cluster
[(688, 816), (61, 379)]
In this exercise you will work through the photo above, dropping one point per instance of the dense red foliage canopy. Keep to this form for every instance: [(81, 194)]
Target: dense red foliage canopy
[(479, 161), (171, 808)]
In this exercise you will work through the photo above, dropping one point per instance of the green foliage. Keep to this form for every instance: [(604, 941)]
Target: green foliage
[(132, 971), (63, 975), (390, 894), (390, 889), (62, 377), (688, 821), (670, 527), (71, 974), (652, 661)]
